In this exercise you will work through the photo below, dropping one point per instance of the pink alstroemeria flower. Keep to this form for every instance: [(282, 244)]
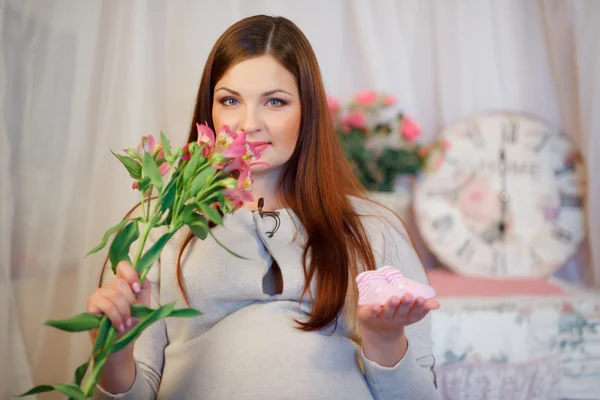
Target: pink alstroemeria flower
[(226, 142), (242, 192), (148, 145), (409, 129), (252, 154), (366, 98), (164, 166)]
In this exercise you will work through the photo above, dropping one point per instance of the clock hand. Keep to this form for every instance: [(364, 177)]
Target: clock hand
[(503, 192)]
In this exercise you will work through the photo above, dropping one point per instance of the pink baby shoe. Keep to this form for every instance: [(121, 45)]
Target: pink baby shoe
[(373, 288), (376, 287), (417, 289)]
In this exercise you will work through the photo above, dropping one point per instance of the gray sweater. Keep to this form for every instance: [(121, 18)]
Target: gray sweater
[(245, 345)]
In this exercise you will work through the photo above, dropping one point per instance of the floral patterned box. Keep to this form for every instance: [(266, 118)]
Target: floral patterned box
[(541, 345)]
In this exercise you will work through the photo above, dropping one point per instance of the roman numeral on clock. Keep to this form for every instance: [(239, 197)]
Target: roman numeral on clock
[(442, 224), (466, 251), (569, 200), (475, 135), (535, 257), (562, 234), (542, 143), (509, 133), (567, 168), (499, 262)]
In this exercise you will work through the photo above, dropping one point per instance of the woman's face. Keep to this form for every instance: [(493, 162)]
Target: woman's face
[(259, 96)]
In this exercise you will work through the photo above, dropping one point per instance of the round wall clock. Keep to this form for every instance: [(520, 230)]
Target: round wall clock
[(507, 200)]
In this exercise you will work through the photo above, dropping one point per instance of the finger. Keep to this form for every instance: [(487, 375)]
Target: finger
[(418, 315), (405, 305), (109, 309), (120, 302), (126, 271), (417, 309), (92, 307), (145, 293), (390, 307), (432, 304), (127, 293), (125, 290)]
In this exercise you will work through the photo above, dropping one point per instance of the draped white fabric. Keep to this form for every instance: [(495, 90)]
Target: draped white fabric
[(81, 77)]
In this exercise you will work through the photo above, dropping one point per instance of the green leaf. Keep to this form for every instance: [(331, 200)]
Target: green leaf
[(168, 196), (134, 332), (198, 225), (133, 167), (190, 168), (185, 313), (199, 230), (167, 220), (144, 184), (153, 253), (102, 333), (68, 390), (119, 249), (200, 180), (79, 323), (151, 171), (140, 311), (166, 145), (80, 372), (107, 235), (226, 249), (211, 214)]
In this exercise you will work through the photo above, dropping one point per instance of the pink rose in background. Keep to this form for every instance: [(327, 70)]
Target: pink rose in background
[(409, 129), (389, 100), (355, 119), (333, 104), (366, 98)]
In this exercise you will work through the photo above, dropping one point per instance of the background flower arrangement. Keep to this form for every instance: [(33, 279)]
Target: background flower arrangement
[(381, 142)]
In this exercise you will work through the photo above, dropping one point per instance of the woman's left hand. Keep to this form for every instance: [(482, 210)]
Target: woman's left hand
[(388, 321)]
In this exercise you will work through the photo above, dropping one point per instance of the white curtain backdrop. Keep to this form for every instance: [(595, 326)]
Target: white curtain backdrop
[(81, 77)]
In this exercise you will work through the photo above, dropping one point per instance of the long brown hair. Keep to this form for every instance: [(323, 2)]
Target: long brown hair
[(317, 181)]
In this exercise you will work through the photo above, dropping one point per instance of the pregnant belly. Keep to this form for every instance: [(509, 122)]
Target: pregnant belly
[(257, 354)]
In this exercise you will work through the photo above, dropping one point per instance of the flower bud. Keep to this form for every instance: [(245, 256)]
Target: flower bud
[(229, 183), (216, 158), (177, 154), (133, 153)]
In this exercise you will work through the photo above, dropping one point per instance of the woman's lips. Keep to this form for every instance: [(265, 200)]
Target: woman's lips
[(260, 145)]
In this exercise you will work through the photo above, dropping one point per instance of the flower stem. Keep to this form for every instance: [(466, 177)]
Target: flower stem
[(207, 189)]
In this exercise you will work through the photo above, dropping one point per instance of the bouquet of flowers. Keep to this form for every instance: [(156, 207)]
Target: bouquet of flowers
[(380, 142), (192, 186)]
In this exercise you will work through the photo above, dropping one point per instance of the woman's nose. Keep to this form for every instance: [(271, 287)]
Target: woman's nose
[(250, 121)]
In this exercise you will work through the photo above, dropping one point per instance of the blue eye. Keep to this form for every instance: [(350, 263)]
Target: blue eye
[(276, 102), (229, 101)]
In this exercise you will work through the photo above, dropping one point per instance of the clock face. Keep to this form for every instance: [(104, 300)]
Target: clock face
[(507, 200)]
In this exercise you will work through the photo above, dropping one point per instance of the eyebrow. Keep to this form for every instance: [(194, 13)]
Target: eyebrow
[(268, 93)]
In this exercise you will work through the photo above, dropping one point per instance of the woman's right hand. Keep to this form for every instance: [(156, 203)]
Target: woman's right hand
[(114, 301)]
